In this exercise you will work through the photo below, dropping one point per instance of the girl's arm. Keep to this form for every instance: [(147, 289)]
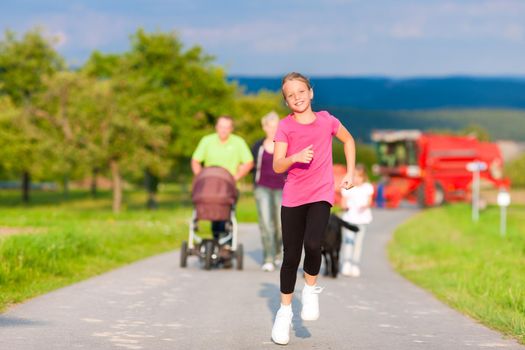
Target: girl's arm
[(281, 163), (370, 202), (349, 147), (371, 197), (344, 204)]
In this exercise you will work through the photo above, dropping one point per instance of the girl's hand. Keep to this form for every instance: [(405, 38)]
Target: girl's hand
[(305, 156), (346, 183)]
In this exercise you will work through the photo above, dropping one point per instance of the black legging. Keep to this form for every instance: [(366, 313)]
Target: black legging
[(305, 223)]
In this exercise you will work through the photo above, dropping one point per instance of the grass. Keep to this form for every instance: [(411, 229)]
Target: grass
[(469, 266), (65, 240)]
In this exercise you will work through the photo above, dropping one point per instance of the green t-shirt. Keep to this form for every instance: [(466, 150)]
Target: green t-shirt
[(228, 155)]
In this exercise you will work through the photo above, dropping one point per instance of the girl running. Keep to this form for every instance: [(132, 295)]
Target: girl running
[(303, 148)]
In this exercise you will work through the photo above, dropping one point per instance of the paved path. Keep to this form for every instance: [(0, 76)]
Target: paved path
[(154, 304)]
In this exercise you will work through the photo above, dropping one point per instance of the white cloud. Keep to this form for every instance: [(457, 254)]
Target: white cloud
[(58, 39), (279, 36), (407, 30), (375, 36), (82, 28), (485, 8), (514, 32), (455, 20), (261, 36), (339, 2)]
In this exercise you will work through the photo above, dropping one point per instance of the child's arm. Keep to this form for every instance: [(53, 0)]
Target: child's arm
[(368, 199), (281, 163), (371, 195), (349, 147)]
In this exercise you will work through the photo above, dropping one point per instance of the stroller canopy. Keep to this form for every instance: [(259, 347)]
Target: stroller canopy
[(214, 193)]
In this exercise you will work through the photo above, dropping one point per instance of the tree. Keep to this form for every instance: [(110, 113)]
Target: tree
[(10, 137), (474, 130), (181, 88), (22, 149), (168, 86), (249, 109), (515, 170), (365, 154), (477, 131), (55, 110), (114, 133), (23, 64)]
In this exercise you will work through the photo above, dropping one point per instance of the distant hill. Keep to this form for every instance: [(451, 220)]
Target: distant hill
[(417, 93), (502, 124), (365, 104)]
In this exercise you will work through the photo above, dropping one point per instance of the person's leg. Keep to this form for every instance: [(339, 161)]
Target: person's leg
[(263, 201), (316, 222), (348, 244), (218, 227), (358, 248), (348, 251), (277, 196), (293, 221), (293, 224)]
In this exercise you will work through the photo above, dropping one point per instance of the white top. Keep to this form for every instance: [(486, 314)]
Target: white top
[(358, 200)]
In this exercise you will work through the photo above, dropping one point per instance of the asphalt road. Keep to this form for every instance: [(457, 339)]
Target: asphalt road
[(154, 304)]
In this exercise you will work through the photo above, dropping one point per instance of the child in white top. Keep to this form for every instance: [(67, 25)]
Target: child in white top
[(356, 202)]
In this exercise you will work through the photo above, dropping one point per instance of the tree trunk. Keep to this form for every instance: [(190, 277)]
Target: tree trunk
[(65, 185), (26, 186), (151, 183), (117, 185), (93, 186)]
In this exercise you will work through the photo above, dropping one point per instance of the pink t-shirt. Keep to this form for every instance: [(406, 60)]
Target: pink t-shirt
[(313, 182)]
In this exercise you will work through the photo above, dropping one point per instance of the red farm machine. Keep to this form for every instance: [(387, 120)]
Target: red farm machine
[(431, 169)]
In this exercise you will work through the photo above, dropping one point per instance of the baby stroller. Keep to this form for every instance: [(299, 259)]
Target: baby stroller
[(214, 195)]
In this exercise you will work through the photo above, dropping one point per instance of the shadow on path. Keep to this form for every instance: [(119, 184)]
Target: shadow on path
[(256, 255), (18, 322), (271, 292)]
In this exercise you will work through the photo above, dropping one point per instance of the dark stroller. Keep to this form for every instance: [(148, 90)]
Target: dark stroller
[(214, 195)]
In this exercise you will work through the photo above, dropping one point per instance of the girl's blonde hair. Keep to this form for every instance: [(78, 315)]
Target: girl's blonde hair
[(296, 76), (272, 116)]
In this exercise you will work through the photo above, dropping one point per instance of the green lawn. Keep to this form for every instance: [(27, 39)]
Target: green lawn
[(55, 241), (469, 266)]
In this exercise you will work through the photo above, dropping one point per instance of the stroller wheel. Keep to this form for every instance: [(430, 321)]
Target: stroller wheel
[(239, 254), (183, 254), (208, 259)]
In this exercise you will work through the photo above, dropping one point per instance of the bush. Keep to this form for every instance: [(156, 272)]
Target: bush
[(515, 170)]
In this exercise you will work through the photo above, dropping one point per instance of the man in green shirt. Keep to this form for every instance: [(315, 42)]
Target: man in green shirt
[(223, 149), (226, 150)]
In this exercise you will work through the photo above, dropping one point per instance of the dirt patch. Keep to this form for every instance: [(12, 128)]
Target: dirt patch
[(517, 196), (7, 231)]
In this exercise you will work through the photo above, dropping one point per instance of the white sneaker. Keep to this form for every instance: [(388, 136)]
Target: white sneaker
[(268, 267), (356, 272), (281, 326), (347, 269), (310, 300)]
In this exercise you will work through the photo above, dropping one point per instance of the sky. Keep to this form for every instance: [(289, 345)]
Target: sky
[(395, 38)]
